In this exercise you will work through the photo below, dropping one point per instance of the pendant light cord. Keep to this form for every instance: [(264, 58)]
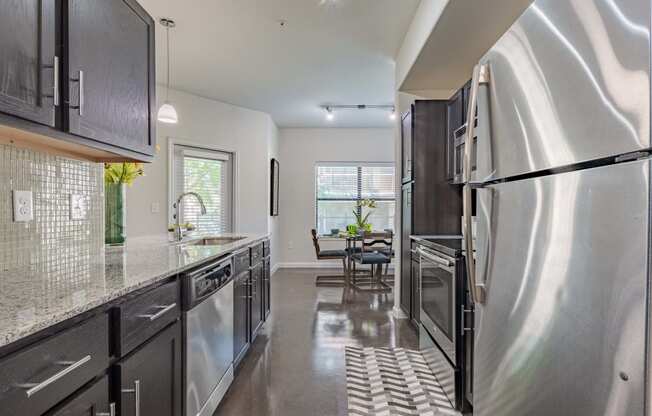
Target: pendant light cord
[(167, 90)]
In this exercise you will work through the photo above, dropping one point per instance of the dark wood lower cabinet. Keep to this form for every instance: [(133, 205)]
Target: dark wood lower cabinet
[(150, 379), (91, 401), (406, 230), (267, 287), (241, 300), (415, 298), (257, 315)]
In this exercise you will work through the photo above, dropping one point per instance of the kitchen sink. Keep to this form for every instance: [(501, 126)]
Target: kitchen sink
[(214, 241)]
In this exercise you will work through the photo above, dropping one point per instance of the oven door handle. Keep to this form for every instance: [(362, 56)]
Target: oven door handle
[(430, 255)]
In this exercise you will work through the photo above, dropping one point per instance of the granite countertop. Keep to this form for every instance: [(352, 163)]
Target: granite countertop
[(43, 294)]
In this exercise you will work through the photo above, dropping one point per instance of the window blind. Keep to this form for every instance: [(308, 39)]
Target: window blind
[(209, 174), (340, 187)]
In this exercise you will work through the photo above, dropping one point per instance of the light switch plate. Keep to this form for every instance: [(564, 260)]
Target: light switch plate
[(78, 207), (23, 206)]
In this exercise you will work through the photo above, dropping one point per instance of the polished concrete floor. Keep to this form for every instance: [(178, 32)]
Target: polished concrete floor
[(296, 365)]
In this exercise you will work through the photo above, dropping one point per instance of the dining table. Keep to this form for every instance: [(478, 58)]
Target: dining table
[(350, 244)]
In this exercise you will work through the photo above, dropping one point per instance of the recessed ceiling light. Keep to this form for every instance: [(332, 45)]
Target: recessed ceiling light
[(328, 2)]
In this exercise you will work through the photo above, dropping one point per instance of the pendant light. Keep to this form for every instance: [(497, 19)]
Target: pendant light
[(167, 113)]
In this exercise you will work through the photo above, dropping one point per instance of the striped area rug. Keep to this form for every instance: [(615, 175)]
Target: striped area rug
[(392, 382)]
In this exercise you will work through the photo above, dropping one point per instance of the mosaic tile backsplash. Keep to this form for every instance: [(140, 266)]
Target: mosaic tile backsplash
[(52, 242)]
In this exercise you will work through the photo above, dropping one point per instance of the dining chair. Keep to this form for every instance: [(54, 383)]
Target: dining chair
[(375, 251), (329, 280)]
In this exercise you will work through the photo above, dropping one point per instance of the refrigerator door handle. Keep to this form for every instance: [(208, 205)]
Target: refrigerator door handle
[(480, 76)]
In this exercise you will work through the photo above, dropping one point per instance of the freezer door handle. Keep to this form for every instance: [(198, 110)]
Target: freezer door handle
[(480, 76)]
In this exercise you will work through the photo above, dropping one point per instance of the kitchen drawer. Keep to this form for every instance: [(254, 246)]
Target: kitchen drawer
[(266, 248), (140, 318), (241, 261), (35, 379), (256, 253)]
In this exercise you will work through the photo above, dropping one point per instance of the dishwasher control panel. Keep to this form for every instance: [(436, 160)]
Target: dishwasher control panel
[(206, 280)]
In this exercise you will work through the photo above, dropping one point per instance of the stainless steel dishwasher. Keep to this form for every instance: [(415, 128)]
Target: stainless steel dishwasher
[(208, 327)]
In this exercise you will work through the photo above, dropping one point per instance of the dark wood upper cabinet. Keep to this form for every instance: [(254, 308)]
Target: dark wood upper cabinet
[(436, 205), (79, 72), (406, 145), (28, 53), (111, 73), (150, 378)]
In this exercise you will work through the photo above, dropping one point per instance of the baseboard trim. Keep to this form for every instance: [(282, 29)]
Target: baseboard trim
[(398, 313), (314, 265)]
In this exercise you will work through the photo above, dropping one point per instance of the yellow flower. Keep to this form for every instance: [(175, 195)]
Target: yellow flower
[(127, 172)]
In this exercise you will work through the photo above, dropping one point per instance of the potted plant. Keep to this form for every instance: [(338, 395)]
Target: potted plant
[(361, 218), (116, 176)]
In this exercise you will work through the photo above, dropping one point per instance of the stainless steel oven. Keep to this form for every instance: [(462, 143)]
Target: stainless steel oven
[(439, 292)]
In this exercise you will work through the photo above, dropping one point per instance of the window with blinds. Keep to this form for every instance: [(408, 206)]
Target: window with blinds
[(208, 173), (339, 188)]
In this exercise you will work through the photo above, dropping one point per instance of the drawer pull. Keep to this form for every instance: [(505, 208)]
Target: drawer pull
[(136, 392), (111, 411), (163, 311), (33, 388)]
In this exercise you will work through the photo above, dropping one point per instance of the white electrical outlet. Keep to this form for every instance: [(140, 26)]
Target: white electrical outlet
[(290, 245), (156, 208), (78, 207), (23, 206)]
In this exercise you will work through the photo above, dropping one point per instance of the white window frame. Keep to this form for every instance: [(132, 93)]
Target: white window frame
[(172, 198), (315, 198)]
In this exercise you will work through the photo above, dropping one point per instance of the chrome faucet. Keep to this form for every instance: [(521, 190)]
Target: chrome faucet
[(177, 206)]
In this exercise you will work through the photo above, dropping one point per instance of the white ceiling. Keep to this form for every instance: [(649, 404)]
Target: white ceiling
[(328, 52)]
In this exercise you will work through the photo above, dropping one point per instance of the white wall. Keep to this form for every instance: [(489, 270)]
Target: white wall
[(251, 135), (299, 151)]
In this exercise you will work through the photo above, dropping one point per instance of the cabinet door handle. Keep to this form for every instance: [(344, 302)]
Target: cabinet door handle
[(163, 310), (55, 84), (136, 392), (110, 413), (56, 97), (33, 388), (80, 80)]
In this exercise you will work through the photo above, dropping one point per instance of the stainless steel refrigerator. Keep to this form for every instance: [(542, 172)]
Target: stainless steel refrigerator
[(561, 281)]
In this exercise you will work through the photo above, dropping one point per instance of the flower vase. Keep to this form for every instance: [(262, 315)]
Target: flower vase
[(115, 213)]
